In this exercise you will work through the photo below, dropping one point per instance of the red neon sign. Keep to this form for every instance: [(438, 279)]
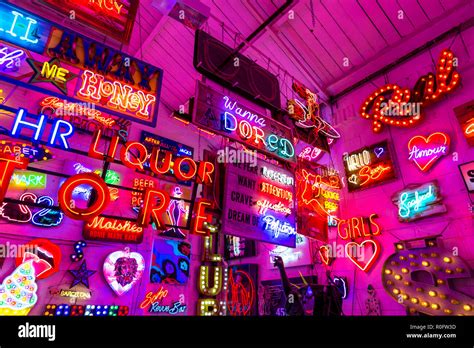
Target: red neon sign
[(394, 106), (201, 217), (425, 152), (68, 205)]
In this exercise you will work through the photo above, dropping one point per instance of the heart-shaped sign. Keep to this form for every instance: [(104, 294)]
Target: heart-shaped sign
[(426, 151), (359, 253), (378, 151), (122, 269), (324, 254), (353, 179)]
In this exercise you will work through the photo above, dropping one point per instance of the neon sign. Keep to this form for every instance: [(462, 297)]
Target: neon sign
[(61, 131), (212, 112), (119, 83), (256, 209), (467, 172), (465, 116), (51, 71), (292, 257), (102, 228), (309, 116), (277, 176), (417, 201), (28, 180), (242, 295), (368, 166), (310, 153), (65, 310), (33, 153), (427, 89), (317, 197), (84, 116), (113, 18), (115, 95), (18, 291), (10, 59), (425, 256), (424, 152), (365, 253), (123, 269), (154, 303), (238, 247), (23, 29), (21, 213)]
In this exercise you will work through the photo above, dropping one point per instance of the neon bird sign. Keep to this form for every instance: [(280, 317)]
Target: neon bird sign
[(425, 152), (309, 116)]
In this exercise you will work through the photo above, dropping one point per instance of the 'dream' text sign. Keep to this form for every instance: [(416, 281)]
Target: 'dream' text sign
[(368, 166), (227, 116), (259, 203)]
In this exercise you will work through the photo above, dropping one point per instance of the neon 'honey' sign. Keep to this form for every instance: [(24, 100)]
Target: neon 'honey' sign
[(427, 89)]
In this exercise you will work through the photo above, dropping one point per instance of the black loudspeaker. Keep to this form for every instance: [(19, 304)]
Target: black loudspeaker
[(221, 63)]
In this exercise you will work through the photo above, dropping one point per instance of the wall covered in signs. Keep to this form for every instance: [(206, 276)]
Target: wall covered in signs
[(453, 221)]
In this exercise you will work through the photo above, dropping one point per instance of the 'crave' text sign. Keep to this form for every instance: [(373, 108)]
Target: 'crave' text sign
[(259, 203)]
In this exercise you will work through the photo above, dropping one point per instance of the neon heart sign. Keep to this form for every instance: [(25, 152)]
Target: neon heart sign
[(426, 151), (359, 258), (123, 269)]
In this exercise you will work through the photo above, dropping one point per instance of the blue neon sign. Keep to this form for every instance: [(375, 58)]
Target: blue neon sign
[(23, 29)]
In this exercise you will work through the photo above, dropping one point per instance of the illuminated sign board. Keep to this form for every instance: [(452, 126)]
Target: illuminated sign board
[(417, 201), (22, 28), (238, 247), (426, 151), (34, 153), (166, 145), (292, 257), (83, 116), (318, 195), (226, 116), (114, 18), (90, 310), (309, 125), (86, 70), (257, 207), (467, 172), (401, 280), (395, 106), (102, 228), (153, 303), (368, 166), (365, 253), (465, 115), (242, 293), (28, 180)]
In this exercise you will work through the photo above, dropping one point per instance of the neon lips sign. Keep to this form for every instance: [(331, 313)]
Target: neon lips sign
[(425, 152)]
